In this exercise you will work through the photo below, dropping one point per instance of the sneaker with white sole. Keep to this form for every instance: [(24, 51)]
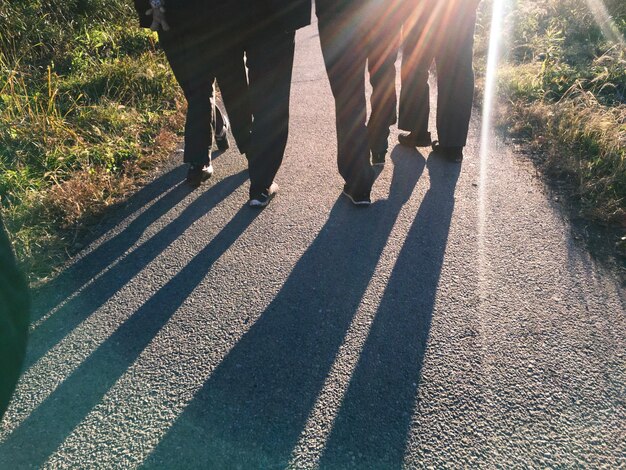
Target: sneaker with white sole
[(263, 199), (361, 199), (198, 173)]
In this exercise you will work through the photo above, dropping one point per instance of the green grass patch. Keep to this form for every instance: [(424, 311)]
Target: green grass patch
[(562, 86), (84, 96)]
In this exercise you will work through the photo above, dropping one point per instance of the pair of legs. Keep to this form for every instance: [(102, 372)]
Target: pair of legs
[(196, 62), (443, 33), (383, 43), (269, 58), (345, 59), (348, 46)]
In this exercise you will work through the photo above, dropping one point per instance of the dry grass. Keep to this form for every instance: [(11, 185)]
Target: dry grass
[(562, 88)]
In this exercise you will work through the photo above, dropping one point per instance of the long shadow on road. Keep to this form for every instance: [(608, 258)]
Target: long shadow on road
[(46, 428), (251, 411), (373, 423), (96, 294), (165, 192), (51, 294)]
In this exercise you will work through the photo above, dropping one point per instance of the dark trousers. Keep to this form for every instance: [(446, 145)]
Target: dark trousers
[(197, 60), (269, 58), (342, 38), (444, 34), (382, 71)]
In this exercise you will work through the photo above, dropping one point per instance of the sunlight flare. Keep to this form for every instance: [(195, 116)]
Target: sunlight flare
[(487, 116), (605, 22)]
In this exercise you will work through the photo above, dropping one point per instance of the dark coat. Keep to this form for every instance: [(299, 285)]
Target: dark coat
[(235, 15), (14, 309), (288, 15)]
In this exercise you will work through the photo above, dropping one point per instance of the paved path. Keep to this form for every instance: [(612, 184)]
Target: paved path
[(453, 323)]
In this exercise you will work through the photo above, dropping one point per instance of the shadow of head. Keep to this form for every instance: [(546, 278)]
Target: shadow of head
[(408, 167)]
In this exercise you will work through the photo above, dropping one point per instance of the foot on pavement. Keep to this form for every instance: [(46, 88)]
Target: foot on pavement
[(263, 199), (198, 173), (412, 139)]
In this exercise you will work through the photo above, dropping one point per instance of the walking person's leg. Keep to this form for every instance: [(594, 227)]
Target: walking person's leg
[(417, 56), (455, 81), (233, 84), (383, 52), (270, 61), (345, 59), (183, 50)]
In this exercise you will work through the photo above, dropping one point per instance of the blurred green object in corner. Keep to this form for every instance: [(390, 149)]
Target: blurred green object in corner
[(14, 314)]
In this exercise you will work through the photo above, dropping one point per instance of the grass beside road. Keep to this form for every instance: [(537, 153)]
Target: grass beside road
[(87, 107), (563, 90)]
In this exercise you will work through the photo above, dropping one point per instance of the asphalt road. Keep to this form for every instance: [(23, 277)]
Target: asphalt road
[(454, 323)]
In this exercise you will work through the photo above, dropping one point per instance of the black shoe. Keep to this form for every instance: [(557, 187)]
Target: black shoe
[(361, 199), (222, 141), (415, 140), (378, 158), (263, 199), (451, 154), (199, 173)]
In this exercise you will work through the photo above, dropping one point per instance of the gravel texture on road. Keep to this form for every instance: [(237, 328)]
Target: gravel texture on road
[(454, 323)]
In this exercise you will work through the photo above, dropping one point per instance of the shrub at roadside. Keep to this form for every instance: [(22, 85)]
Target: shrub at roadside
[(563, 85)]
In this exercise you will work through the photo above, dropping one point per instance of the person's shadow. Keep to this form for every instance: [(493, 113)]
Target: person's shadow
[(252, 410), (119, 267), (373, 424), (147, 205), (45, 428), (151, 202)]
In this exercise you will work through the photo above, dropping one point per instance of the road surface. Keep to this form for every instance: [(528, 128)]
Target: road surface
[(454, 323)]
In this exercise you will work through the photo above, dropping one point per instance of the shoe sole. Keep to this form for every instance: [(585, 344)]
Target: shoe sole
[(205, 176), (357, 203), (258, 204), (378, 164)]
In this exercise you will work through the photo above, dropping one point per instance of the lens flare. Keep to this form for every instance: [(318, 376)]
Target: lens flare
[(487, 115), (606, 23)]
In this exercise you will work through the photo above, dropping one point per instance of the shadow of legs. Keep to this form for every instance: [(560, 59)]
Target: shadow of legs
[(96, 294), (48, 426), (251, 411), (371, 428), (51, 294)]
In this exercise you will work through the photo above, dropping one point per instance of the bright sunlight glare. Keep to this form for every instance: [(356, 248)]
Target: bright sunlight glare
[(606, 23)]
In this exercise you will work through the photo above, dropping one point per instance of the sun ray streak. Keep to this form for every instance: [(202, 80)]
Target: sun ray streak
[(488, 104), (605, 22)]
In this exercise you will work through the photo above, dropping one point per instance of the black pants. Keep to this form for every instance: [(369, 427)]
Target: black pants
[(445, 35), (197, 60), (269, 57), (383, 43), (347, 50)]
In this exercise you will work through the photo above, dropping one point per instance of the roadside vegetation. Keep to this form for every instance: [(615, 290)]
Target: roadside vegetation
[(86, 108), (562, 89)]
